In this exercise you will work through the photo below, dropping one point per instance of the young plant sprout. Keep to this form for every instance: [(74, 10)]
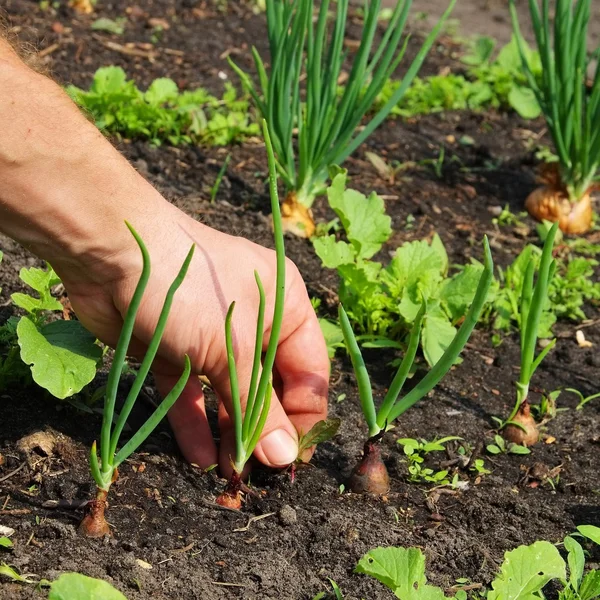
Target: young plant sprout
[(520, 427), (370, 475), (105, 471), (249, 426), (571, 110), (325, 121)]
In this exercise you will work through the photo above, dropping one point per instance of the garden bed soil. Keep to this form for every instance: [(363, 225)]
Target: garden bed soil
[(162, 510)]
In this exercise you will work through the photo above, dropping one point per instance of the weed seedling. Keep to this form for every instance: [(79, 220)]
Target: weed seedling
[(249, 426), (370, 475), (500, 446), (520, 427), (105, 470), (583, 400), (215, 188)]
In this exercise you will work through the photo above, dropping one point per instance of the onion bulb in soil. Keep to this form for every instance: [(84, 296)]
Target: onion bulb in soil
[(370, 475), (550, 203), (527, 436), (297, 218), (232, 495), (94, 524)]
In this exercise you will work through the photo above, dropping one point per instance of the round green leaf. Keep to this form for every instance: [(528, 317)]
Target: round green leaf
[(62, 354)]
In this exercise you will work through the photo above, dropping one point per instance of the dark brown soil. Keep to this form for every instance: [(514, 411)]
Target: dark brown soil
[(162, 510)]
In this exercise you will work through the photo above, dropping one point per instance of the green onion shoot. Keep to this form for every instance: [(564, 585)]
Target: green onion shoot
[(248, 426), (520, 427), (105, 470), (370, 475), (571, 106), (319, 126)]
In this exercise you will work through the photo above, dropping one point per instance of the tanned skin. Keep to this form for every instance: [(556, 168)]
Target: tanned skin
[(65, 193)]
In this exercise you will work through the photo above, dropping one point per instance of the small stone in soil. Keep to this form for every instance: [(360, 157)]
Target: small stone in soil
[(287, 515)]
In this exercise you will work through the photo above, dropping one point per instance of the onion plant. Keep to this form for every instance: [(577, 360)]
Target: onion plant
[(520, 427), (105, 470), (319, 127), (370, 475), (248, 426), (571, 110)]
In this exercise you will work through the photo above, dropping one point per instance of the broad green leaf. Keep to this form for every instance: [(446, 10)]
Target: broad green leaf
[(415, 262), (160, 91), (576, 560), (591, 532), (74, 586), (409, 445), (526, 570), (364, 219), (62, 354), (458, 292), (334, 338), (41, 280), (320, 432), (523, 100), (33, 305), (438, 246), (481, 51), (510, 58), (402, 570), (108, 80), (590, 586), (5, 543), (333, 253), (437, 334)]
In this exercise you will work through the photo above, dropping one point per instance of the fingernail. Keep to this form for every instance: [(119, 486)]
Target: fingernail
[(280, 448)]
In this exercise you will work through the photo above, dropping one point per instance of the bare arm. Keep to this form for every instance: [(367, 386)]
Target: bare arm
[(64, 194)]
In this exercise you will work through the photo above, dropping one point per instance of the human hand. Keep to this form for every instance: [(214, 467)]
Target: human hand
[(222, 271), (65, 193)]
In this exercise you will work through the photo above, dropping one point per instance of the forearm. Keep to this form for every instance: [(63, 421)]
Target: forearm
[(64, 190)]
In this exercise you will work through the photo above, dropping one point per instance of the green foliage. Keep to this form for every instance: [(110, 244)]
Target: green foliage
[(114, 26), (402, 570), (526, 570), (392, 407), (334, 338), (162, 113), (416, 451), (63, 355), (336, 595), (591, 532), (74, 586), (382, 303), (570, 288), (487, 84), (326, 121), (103, 471), (249, 426), (13, 575), (523, 574), (571, 110), (5, 542), (319, 433), (500, 446)]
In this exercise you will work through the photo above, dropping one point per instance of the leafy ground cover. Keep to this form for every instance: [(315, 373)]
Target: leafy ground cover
[(163, 512)]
